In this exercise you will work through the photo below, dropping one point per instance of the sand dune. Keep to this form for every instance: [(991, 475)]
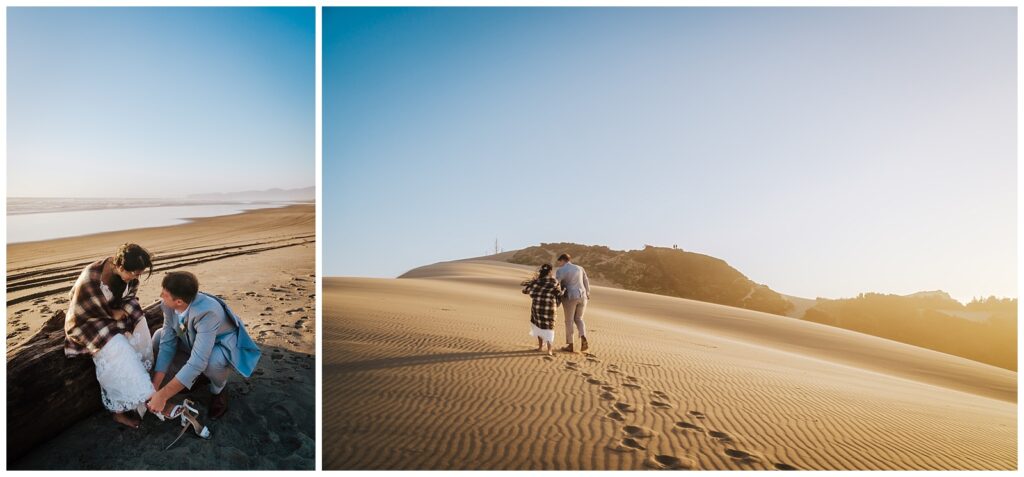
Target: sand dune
[(436, 371)]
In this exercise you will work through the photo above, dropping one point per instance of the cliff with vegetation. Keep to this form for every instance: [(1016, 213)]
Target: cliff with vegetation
[(983, 330), (664, 271)]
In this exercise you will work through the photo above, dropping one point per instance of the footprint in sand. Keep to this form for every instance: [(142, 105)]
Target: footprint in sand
[(607, 396), (589, 355), (609, 388), (783, 466), (697, 414), (613, 371), (660, 395), (615, 416), (668, 462), (638, 431), (623, 407), (548, 358), (660, 404), (596, 381), (633, 379), (720, 436), (741, 456), (586, 375), (632, 385), (688, 426), (593, 360), (627, 445)]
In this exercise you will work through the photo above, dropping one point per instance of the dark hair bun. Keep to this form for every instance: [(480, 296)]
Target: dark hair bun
[(133, 257)]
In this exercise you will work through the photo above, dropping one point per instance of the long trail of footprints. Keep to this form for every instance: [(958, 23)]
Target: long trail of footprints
[(637, 438)]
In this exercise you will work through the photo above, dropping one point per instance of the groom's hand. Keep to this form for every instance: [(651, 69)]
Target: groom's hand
[(157, 402)]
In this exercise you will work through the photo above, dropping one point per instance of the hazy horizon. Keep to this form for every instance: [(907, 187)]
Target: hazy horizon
[(159, 101), (821, 151), (159, 196)]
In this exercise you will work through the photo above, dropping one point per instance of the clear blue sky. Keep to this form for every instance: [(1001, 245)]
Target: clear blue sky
[(824, 152), (159, 102)]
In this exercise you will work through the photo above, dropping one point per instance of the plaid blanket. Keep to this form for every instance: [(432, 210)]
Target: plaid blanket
[(89, 323), (547, 295)]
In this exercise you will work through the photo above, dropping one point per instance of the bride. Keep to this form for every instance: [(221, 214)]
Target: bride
[(104, 320)]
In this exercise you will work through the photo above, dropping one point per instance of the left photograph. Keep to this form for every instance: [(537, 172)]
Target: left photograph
[(161, 238)]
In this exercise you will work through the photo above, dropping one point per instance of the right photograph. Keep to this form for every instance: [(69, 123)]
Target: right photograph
[(669, 238)]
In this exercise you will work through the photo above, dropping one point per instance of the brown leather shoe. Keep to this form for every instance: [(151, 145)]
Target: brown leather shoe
[(567, 348), (584, 345), (218, 404)]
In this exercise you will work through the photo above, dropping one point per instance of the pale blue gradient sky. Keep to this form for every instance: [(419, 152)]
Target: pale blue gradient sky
[(824, 152), (159, 102)]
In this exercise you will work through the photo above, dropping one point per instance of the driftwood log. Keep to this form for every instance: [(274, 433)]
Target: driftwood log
[(48, 392)]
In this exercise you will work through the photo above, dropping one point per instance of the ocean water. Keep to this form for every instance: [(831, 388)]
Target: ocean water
[(56, 218)]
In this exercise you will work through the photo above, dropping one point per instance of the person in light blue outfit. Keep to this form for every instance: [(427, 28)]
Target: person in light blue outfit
[(576, 285), (202, 336)]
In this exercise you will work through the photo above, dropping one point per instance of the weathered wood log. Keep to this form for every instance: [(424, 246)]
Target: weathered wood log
[(48, 392)]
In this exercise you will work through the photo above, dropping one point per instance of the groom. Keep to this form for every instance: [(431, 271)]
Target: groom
[(201, 335), (574, 281)]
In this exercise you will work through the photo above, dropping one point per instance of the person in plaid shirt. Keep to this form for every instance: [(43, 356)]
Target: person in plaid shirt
[(105, 321), (547, 295)]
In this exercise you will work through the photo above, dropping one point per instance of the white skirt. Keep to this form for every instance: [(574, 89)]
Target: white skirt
[(548, 336), (122, 368)]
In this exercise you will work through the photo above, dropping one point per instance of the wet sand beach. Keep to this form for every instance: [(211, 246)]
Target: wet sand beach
[(262, 262)]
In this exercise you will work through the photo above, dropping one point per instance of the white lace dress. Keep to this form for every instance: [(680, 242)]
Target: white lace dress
[(122, 368)]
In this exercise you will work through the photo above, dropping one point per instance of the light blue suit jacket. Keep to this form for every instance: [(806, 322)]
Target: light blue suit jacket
[(574, 281), (209, 322)]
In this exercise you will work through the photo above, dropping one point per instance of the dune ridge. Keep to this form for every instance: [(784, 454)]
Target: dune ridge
[(435, 371)]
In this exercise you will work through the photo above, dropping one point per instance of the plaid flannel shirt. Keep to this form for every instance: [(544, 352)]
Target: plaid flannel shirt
[(547, 295), (89, 322)]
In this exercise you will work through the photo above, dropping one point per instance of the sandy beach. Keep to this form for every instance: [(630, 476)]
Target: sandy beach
[(435, 370), (262, 262)]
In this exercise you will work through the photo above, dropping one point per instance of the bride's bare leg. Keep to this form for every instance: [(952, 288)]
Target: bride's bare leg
[(540, 344), (127, 420)]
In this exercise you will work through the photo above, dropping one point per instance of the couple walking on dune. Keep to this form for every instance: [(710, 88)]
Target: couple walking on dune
[(200, 336), (570, 288)]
